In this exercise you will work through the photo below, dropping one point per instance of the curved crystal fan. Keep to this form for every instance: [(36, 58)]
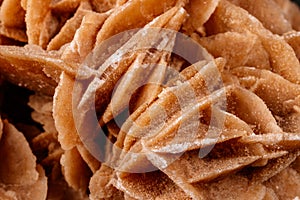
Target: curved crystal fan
[(186, 135), (20, 176)]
